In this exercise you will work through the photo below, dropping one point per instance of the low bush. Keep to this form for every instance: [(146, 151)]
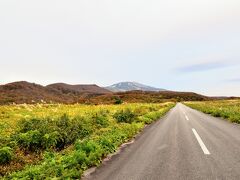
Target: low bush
[(118, 100), (4, 141), (6, 155), (101, 119), (31, 140), (126, 116), (37, 134)]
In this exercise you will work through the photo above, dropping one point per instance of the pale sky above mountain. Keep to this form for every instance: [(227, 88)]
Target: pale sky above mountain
[(187, 45)]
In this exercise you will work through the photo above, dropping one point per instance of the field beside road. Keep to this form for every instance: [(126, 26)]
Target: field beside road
[(185, 144), (227, 109), (54, 140)]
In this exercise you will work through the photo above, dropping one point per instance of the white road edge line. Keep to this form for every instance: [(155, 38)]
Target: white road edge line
[(186, 117), (204, 148)]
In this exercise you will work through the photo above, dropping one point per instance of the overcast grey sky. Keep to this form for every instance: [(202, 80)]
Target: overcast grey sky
[(187, 45)]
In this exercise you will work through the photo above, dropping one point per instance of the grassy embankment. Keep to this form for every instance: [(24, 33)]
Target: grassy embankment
[(61, 141), (227, 109)]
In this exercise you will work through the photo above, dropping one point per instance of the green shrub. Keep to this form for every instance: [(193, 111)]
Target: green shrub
[(118, 100), (101, 120), (37, 134), (126, 116), (4, 141), (93, 151), (26, 125), (6, 155), (50, 140), (30, 140)]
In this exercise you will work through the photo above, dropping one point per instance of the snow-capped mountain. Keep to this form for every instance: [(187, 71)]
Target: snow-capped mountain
[(131, 86)]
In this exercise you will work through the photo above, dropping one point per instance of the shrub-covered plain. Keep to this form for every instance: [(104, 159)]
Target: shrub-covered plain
[(227, 109), (61, 141)]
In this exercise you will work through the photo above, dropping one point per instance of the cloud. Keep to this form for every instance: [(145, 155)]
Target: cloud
[(234, 80), (206, 66)]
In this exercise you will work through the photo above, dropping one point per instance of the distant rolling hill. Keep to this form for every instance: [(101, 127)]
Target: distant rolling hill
[(25, 92), (80, 88), (131, 86), (148, 97)]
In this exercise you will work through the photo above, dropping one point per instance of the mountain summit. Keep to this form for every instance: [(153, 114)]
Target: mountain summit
[(131, 86)]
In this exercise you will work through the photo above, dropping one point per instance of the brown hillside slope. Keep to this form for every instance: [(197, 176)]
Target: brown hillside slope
[(148, 97), (25, 92), (80, 88)]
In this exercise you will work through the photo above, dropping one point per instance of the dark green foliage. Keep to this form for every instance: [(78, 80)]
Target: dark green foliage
[(101, 119), (28, 125), (126, 116), (51, 139), (35, 134), (31, 139), (93, 151), (6, 155), (118, 100), (4, 141)]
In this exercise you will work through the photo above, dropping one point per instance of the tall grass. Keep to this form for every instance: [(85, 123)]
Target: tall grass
[(227, 109)]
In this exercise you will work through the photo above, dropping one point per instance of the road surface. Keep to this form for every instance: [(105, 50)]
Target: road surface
[(185, 144)]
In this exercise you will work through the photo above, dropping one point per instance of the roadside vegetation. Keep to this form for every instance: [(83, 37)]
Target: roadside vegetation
[(61, 141), (227, 109)]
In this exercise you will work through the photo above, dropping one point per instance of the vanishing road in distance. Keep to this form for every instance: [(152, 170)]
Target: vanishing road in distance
[(185, 144)]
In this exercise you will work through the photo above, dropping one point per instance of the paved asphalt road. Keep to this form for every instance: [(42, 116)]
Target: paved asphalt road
[(186, 144)]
